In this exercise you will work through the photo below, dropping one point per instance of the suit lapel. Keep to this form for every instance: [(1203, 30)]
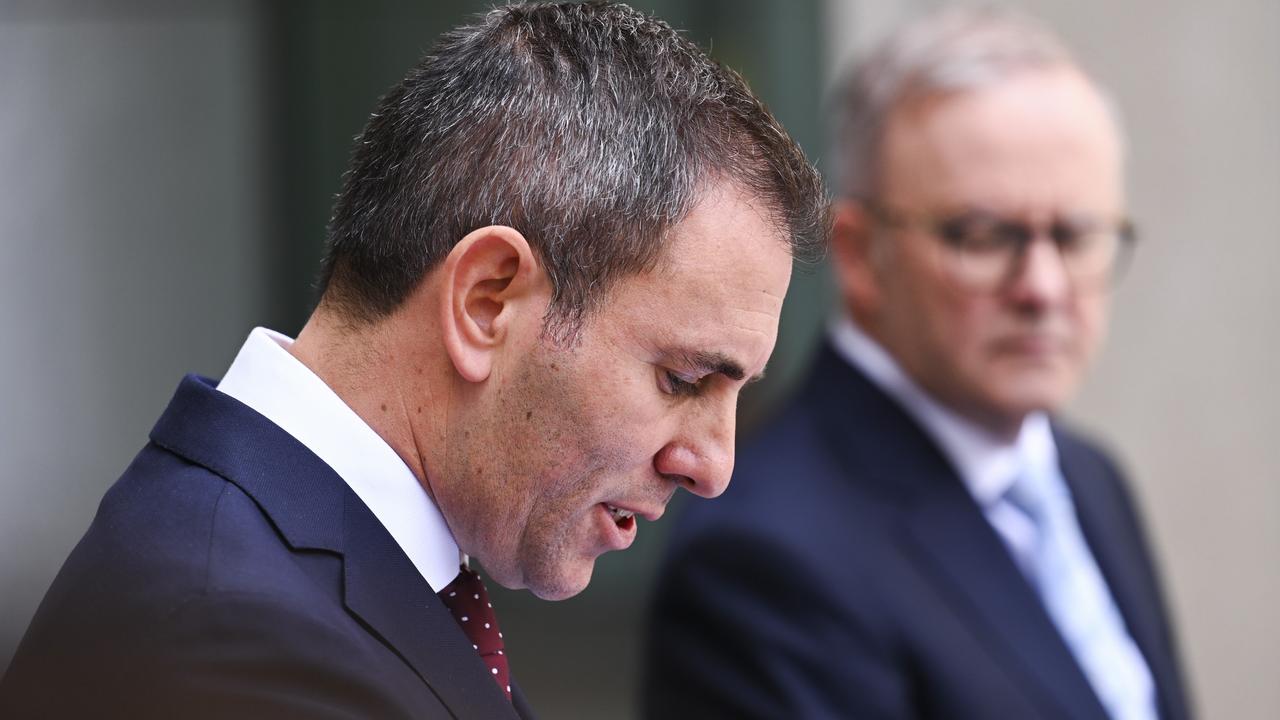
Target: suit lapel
[(1115, 540), (521, 703), (960, 551), (384, 590), (314, 509), (948, 537)]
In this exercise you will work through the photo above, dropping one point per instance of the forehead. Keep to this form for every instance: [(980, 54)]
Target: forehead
[(1039, 140), (719, 287)]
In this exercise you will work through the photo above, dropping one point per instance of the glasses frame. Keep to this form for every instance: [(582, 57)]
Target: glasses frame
[(935, 225)]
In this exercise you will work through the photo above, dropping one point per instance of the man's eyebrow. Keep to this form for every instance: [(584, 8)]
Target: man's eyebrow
[(709, 362)]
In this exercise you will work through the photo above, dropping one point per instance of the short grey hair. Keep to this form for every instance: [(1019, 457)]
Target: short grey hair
[(591, 128), (954, 49)]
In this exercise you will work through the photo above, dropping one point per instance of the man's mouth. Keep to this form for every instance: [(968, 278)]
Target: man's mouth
[(624, 519)]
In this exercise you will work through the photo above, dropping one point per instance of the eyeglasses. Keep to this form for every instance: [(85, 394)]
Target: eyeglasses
[(982, 251)]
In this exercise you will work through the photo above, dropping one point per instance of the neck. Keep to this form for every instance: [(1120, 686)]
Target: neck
[(382, 378), (1002, 428)]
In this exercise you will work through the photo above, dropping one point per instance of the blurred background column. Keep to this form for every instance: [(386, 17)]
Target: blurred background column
[(132, 236)]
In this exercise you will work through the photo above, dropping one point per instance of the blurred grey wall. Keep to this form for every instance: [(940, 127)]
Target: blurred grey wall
[(1186, 391), (131, 245)]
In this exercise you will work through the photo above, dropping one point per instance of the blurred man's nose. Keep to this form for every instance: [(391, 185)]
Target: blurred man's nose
[(702, 456), (1041, 277)]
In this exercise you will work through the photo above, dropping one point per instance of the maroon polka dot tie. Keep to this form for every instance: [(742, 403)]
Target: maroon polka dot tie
[(467, 599)]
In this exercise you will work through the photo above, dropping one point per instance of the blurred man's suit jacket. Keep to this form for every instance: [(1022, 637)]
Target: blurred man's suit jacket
[(848, 573), (232, 573)]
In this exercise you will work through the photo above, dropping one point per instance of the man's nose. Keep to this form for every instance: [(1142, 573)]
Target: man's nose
[(701, 458), (1041, 277)]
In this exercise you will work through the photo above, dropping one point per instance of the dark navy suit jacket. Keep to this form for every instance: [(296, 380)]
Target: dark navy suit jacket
[(230, 573), (848, 573)]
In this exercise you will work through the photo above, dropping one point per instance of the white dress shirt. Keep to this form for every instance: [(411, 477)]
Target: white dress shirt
[(986, 464), (267, 378)]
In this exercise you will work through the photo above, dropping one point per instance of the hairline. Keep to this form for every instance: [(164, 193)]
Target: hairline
[(919, 81), (561, 327)]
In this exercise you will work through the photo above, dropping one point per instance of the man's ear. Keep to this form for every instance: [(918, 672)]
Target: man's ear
[(490, 281), (855, 256)]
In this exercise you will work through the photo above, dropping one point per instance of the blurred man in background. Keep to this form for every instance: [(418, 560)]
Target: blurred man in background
[(560, 252), (917, 536)]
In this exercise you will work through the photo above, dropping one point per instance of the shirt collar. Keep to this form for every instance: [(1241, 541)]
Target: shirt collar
[(268, 378), (987, 464)]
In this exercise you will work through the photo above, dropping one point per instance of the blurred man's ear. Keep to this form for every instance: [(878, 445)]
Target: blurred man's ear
[(855, 257), (491, 285)]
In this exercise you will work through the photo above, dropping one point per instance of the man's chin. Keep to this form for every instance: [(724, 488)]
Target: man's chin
[(561, 585), (1013, 407), (1048, 396), (1030, 389)]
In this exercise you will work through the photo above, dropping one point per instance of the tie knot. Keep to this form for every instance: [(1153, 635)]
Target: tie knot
[(468, 601), (1036, 492)]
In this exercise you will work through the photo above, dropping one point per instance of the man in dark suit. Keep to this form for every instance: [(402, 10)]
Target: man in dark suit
[(915, 536), (560, 252)]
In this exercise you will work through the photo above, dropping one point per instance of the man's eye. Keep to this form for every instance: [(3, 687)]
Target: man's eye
[(675, 385), (955, 232), (979, 234), (971, 234), (1074, 239)]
